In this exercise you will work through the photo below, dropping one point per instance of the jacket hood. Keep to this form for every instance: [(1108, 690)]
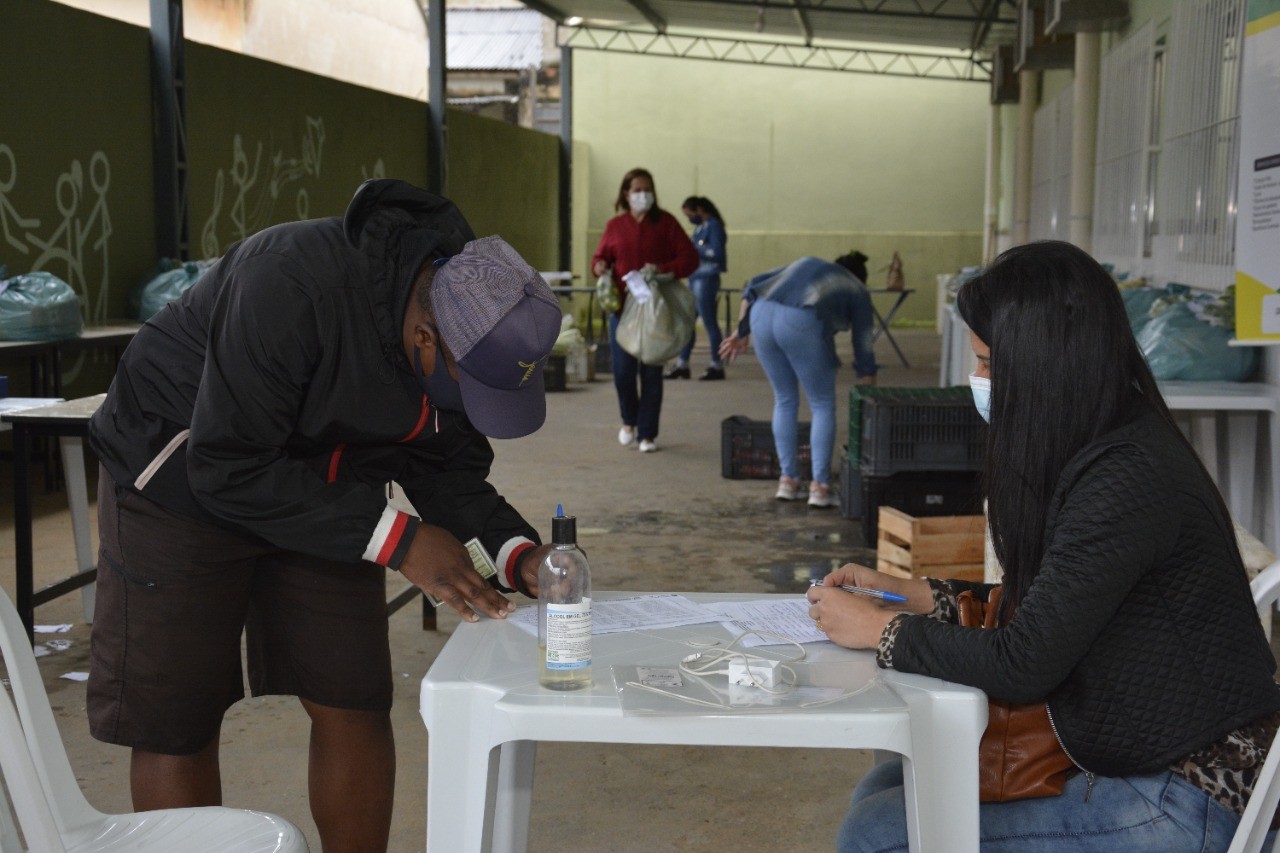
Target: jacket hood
[(436, 214), (398, 226)]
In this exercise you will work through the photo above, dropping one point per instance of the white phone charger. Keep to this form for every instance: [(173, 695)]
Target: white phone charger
[(756, 673)]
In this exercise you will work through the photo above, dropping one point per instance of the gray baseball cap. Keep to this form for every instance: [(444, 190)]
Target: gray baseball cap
[(499, 319)]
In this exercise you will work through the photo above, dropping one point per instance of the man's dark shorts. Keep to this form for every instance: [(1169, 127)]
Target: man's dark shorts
[(174, 595)]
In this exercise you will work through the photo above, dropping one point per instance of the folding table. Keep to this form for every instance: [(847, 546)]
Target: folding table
[(883, 322), (485, 712), (69, 423)]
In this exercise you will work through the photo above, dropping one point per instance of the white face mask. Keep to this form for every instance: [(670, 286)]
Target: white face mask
[(981, 388), (640, 202)]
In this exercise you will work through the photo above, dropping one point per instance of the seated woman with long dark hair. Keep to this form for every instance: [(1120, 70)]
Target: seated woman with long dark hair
[(1125, 607)]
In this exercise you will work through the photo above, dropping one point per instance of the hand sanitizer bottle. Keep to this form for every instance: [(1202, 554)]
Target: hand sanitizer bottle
[(564, 610)]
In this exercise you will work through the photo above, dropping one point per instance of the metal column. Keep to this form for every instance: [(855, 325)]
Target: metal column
[(437, 73), (1022, 157), (566, 158), (168, 94), (1084, 137)]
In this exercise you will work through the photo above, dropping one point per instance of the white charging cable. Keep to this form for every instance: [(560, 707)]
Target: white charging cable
[(750, 670), (767, 674)]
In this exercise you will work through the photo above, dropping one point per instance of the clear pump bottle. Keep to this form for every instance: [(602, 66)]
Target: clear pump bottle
[(564, 610)]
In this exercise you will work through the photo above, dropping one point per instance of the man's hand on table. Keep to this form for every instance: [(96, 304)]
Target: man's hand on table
[(439, 564)]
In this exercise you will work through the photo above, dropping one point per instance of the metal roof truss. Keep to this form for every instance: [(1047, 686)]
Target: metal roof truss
[(859, 60)]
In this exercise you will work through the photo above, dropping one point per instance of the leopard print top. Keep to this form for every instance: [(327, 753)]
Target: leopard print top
[(1226, 770)]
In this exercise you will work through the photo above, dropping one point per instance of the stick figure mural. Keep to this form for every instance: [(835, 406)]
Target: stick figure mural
[(255, 191), (61, 253), (78, 247), (10, 219)]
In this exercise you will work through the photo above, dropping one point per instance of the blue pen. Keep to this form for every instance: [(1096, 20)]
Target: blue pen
[(869, 593)]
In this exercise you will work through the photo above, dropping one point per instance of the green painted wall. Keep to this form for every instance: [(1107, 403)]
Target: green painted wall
[(506, 179), (266, 144), (799, 162), (75, 161), (272, 144)]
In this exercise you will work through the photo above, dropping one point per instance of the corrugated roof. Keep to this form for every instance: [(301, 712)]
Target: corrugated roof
[(493, 39)]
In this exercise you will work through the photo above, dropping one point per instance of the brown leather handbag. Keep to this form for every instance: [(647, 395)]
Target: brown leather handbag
[(1020, 757)]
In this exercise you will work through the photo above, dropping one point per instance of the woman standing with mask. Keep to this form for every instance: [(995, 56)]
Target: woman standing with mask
[(709, 239), (643, 237)]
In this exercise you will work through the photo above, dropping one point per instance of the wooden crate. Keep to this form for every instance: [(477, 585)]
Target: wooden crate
[(940, 546)]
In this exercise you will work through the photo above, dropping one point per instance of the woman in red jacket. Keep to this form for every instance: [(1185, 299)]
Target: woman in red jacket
[(642, 236)]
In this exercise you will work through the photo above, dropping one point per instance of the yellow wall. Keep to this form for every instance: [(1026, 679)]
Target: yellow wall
[(799, 162)]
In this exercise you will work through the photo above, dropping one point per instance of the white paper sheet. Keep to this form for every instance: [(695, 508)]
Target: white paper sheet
[(790, 618), (610, 616), (52, 629), (75, 676)]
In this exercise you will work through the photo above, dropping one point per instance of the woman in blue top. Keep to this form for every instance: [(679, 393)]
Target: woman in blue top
[(709, 239), (795, 312)]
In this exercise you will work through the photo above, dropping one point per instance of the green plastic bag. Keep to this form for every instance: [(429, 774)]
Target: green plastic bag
[(1178, 345), (657, 330), (38, 306), (171, 280)]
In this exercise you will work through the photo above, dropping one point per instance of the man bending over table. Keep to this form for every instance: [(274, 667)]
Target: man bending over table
[(247, 442)]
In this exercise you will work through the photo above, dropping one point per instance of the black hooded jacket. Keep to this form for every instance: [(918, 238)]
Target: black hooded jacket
[(275, 398)]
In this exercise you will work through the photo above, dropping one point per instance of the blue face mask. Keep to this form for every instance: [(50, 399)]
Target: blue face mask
[(441, 388), (695, 219), (981, 388)]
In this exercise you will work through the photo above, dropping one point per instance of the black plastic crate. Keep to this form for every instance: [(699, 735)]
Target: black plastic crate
[(919, 493), (747, 451), (555, 373), (858, 393), (850, 489), (919, 432)]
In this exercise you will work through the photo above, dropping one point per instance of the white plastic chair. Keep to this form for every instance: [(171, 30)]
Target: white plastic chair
[(50, 808), (1256, 820)]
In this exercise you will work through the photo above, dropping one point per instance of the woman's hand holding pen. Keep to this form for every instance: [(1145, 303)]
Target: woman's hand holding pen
[(917, 592), (849, 620), (855, 621)]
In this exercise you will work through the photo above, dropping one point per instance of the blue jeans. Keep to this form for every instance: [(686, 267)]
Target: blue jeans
[(1160, 813), (705, 291), (791, 347), (640, 411)]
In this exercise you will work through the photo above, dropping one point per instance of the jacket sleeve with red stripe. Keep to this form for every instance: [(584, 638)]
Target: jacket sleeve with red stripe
[(457, 496)]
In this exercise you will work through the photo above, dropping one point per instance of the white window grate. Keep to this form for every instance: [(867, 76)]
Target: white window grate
[(1121, 176), (1051, 169), (1196, 203)]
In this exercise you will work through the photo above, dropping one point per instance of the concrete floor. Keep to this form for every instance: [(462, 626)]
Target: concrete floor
[(663, 521)]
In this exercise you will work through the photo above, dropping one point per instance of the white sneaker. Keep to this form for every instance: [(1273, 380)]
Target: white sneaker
[(648, 446), (787, 488), (626, 435), (820, 495)]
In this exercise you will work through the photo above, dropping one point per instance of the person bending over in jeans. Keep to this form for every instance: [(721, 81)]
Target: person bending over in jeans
[(795, 312)]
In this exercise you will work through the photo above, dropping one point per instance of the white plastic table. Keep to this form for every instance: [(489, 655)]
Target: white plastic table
[(485, 712)]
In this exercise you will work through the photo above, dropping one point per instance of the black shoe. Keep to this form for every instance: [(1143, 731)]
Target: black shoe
[(712, 373), (677, 372)]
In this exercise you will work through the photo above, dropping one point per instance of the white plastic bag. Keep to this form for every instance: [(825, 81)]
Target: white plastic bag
[(656, 330)]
